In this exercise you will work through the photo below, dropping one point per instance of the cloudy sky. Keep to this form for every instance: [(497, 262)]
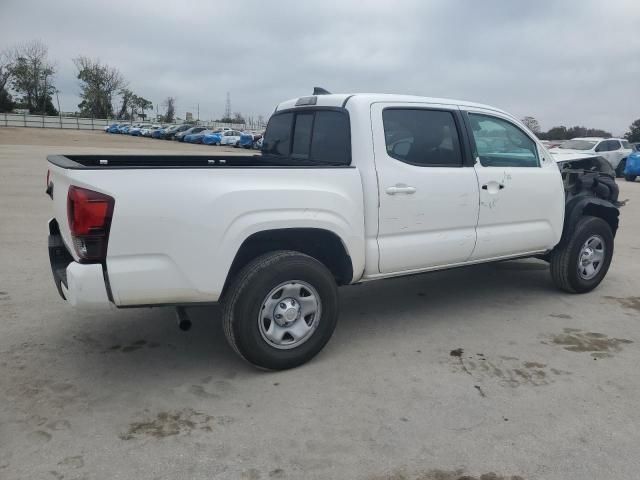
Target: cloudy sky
[(564, 62)]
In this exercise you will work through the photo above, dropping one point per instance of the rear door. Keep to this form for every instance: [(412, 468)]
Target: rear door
[(521, 189), (428, 191)]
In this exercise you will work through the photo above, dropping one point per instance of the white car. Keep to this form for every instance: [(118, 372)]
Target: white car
[(347, 189), (230, 137), (614, 150)]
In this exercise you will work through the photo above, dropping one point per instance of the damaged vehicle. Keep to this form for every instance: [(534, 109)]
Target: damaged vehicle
[(348, 188)]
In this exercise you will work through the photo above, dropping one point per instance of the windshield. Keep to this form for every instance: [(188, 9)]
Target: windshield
[(578, 145)]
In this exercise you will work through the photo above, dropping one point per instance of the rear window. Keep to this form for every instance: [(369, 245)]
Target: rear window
[(626, 144), (309, 137)]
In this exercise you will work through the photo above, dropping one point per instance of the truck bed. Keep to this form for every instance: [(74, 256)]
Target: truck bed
[(120, 162)]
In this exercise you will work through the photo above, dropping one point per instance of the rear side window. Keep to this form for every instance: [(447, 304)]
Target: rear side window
[(426, 138), (277, 140), (309, 137)]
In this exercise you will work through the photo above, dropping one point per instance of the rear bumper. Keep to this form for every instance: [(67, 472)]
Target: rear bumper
[(82, 285)]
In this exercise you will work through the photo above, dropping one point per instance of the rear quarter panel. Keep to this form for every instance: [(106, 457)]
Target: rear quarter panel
[(175, 233)]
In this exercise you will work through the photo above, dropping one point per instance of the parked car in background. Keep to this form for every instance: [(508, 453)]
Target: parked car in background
[(197, 137), (147, 132), (124, 129), (113, 128), (159, 133), (135, 130), (170, 133), (248, 139), (230, 137), (552, 143), (614, 150), (632, 167), (213, 138), (180, 136)]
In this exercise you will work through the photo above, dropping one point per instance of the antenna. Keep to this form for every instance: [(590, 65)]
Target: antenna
[(320, 91), (227, 108)]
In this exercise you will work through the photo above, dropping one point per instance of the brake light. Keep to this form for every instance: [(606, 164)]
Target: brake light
[(89, 215)]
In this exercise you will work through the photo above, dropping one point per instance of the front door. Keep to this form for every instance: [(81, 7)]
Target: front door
[(521, 189), (428, 193)]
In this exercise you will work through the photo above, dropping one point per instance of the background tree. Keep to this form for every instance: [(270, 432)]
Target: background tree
[(633, 135), (532, 124), (139, 105), (32, 77), (237, 118), (170, 105), (98, 85), (6, 66)]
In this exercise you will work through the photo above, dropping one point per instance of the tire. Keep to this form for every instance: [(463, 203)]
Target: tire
[(620, 168), (253, 291), (630, 178), (566, 258)]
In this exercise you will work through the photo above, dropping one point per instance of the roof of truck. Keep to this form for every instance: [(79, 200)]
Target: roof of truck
[(341, 100)]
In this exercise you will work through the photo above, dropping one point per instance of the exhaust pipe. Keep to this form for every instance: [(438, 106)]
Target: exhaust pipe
[(184, 322)]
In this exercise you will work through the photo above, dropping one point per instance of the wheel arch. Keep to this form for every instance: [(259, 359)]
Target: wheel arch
[(589, 206), (323, 245)]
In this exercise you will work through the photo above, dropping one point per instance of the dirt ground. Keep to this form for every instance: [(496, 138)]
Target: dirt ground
[(482, 373)]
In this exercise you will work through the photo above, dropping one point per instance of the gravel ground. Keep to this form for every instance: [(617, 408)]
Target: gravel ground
[(486, 371)]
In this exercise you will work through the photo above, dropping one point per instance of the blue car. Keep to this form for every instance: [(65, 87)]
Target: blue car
[(213, 138), (159, 133), (113, 128), (246, 140), (197, 137), (632, 167)]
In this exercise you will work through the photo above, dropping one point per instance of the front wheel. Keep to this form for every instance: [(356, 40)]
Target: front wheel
[(620, 168), (280, 310), (582, 261), (630, 178)]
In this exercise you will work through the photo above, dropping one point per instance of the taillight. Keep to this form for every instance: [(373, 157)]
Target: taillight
[(89, 214)]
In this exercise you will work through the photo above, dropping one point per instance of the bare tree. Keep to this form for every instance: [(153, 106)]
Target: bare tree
[(32, 76), (98, 85), (532, 124), (7, 60)]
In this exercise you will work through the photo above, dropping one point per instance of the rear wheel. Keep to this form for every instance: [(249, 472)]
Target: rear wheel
[(280, 310), (580, 264), (630, 178)]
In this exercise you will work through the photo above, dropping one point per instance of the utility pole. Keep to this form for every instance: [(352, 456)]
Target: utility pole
[(198, 113), (227, 108)]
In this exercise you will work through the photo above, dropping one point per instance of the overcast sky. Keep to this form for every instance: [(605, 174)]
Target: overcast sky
[(564, 62)]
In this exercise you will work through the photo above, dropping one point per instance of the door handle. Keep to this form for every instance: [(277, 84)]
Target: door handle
[(406, 189), (486, 186)]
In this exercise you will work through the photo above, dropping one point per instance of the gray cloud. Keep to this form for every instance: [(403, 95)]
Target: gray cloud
[(570, 62)]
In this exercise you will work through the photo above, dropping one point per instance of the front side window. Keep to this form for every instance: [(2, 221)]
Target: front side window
[(309, 137), (425, 138), (499, 143)]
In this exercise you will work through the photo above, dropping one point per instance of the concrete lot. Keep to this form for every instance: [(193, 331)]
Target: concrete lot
[(545, 384)]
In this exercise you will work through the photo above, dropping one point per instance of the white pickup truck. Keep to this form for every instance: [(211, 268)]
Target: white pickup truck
[(347, 189)]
